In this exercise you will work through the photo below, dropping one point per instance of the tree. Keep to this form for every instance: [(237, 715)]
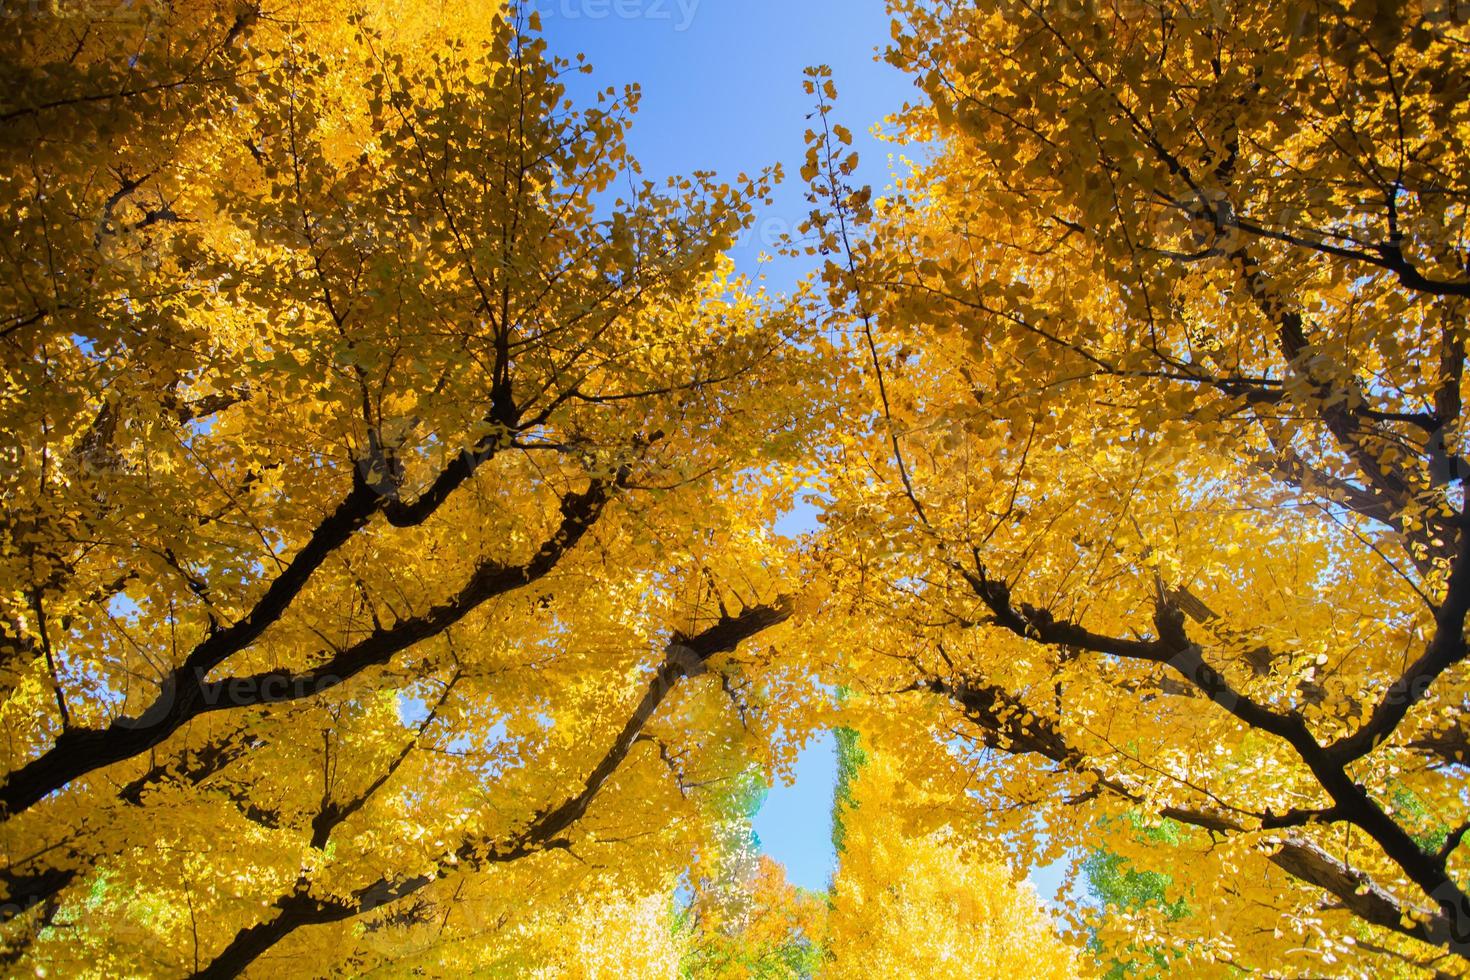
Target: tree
[(926, 905), (1167, 349), (738, 916), (1121, 888), (377, 481)]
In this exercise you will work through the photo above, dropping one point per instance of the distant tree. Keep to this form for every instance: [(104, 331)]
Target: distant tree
[(923, 905)]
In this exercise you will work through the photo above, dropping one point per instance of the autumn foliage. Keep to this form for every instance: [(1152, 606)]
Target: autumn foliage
[(389, 573)]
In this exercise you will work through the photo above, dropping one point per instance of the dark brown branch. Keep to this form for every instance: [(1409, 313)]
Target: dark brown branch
[(1388, 256), (998, 715), (685, 657), (489, 580), (1446, 649), (186, 694), (1350, 801)]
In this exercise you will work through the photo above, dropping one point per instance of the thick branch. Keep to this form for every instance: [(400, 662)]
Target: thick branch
[(1446, 649), (187, 694), (1350, 800), (685, 657), (1000, 719)]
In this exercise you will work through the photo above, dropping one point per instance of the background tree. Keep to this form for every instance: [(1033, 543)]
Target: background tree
[(1128, 895), (908, 903), (740, 917), (905, 899)]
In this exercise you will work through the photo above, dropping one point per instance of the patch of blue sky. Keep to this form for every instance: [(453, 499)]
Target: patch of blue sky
[(721, 90), (801, 518), (794, 824), (488, 752)]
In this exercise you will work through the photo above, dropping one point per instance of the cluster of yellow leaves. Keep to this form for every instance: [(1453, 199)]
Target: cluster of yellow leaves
[(929, 905)]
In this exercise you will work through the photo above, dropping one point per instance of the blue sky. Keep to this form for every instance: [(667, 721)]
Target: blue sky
[(722, 88), (795, 824)]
